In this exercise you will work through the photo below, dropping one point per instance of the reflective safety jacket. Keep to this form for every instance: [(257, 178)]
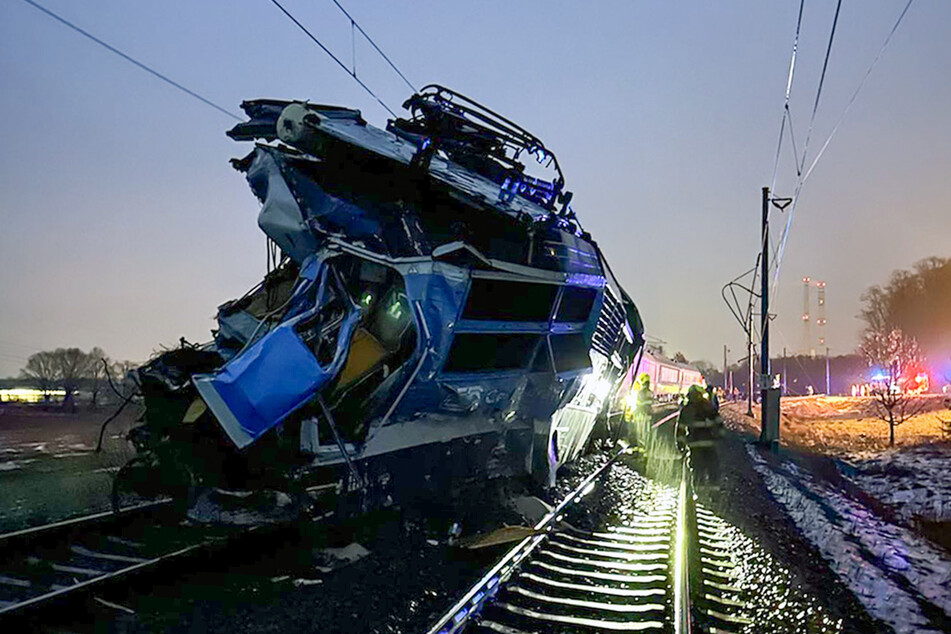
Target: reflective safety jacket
[(645, 401), (699, 425)]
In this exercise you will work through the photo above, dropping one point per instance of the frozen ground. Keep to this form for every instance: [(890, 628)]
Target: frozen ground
[(899, 577), (912, 481), (48, 466), (906, 483)]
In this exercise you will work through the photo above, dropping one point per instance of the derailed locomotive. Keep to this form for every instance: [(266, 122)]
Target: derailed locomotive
[(437, 314)]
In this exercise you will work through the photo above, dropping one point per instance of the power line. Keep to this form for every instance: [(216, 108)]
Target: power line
[(800, 163), (787, 117), (352, 73), (353, 23), (803, 176), (822, 79), (789, 82), (132, 60), (857, 90)]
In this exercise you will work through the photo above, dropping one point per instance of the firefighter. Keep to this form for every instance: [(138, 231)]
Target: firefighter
[(699, 427), (645, 398), (639, 409)]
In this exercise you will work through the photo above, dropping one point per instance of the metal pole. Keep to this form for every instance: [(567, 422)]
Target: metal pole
[(764, 312), (750, 362), (725, 385), (828, 378), (785, 374)]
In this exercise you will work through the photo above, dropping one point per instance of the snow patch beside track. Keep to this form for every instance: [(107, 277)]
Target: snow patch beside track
[(897, 576)]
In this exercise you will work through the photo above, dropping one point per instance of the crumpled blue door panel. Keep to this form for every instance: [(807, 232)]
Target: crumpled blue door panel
[(272, 378)]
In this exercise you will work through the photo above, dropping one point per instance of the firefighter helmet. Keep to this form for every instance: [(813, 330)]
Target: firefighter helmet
[(695, 393)]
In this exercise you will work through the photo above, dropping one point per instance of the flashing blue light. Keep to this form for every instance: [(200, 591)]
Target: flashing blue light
[(478, 597), (585, 279), (460, 615), (494, 581)]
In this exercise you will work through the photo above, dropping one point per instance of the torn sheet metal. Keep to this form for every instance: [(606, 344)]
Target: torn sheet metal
[(434, 295)]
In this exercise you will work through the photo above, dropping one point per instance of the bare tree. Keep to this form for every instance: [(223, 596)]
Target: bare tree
[(96, 365), (918, 301), (42, 368), (72, 364), (125, 387), (894, 354)]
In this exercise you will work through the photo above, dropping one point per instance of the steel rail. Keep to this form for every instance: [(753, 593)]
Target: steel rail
[(35, 531), (457, 616), (66, 531), (682, 548), (108, 576)]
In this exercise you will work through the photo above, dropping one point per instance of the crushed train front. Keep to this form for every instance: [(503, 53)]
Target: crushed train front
[(434, 312)]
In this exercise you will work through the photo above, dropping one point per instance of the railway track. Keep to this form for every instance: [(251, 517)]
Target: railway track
[(720, 605), (51, 562), (664, 568), (629, 576)]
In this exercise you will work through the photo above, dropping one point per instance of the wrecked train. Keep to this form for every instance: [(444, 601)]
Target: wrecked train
[(434, 313)]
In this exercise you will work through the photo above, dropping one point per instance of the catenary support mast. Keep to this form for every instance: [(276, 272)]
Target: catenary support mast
[(764, 313)]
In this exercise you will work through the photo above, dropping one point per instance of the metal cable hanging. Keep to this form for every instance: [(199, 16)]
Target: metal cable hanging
[(802, 174), (355, 24), (326, 50), (132, 60)]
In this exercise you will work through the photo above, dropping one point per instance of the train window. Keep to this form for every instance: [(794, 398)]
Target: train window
[(502, 300), (472, 352), (570, 352), (576, 303)]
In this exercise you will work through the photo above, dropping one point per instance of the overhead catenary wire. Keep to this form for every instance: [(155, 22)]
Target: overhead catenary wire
[(804, 174), (355, 24), (858, 89), (789, 84), (326, 50), (132, 60), (800, 161), (786, 118), (735, 307), (822, 79)]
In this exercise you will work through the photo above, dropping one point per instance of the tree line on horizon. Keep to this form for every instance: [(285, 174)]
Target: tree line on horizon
[(71, 369), (915, 302), (907, 320), (907, 330)]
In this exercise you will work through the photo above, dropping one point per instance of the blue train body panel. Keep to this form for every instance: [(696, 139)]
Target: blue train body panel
[(428, 290)]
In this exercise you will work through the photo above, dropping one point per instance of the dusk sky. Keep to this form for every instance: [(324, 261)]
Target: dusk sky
[(125, 227)]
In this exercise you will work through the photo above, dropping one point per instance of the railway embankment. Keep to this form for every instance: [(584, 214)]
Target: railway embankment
[(825, 498)]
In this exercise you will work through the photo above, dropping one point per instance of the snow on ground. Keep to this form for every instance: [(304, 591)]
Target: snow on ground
[(913, 481), (898, 576), (13, 465)]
